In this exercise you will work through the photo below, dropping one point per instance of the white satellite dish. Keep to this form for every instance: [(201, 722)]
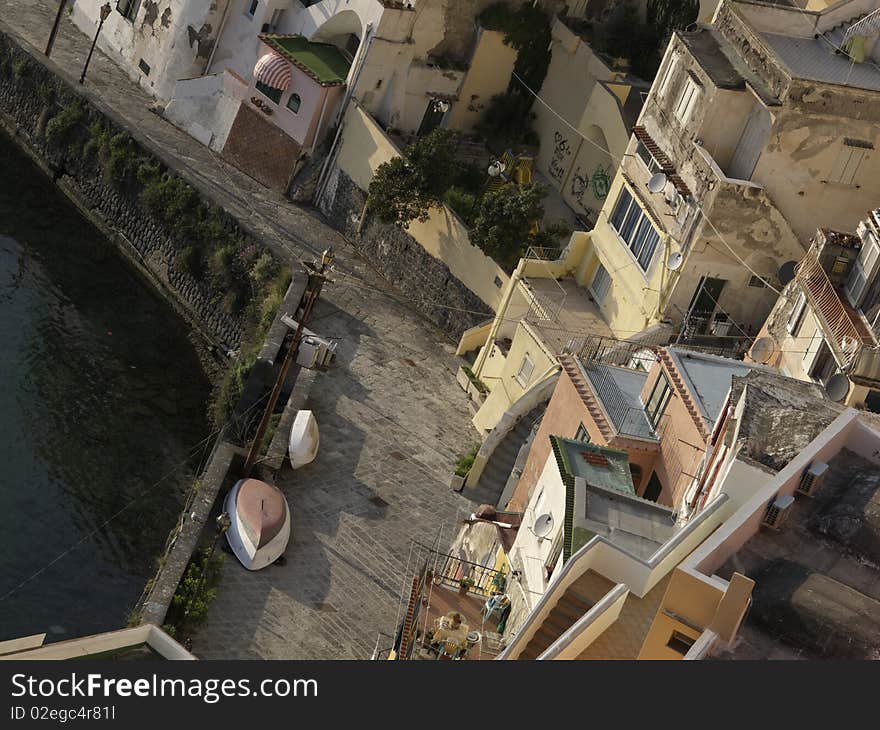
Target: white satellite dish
[(657, 183), (837, 387), (675, 260), (543, 525), (763, 349)]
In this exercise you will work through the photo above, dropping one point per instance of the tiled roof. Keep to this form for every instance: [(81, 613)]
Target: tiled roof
[(663, 160)]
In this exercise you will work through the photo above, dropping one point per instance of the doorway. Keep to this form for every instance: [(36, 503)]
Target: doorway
[(434, 114), (703, 304)]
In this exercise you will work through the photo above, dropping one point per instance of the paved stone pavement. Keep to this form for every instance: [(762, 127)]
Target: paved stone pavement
[(392, 418)]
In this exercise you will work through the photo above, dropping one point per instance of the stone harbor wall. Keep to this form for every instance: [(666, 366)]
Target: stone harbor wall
[(425, 280), (191, 249)]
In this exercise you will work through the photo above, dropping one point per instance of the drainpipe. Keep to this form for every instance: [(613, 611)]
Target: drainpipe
[(322, 178), (499, 316), (318, 128), (219, 36)]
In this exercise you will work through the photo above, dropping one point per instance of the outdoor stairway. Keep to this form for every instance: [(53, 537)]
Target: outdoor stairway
[(580, 597), (490, 486)]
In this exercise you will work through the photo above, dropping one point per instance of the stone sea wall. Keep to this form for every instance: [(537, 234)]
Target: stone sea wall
[(190, 248)]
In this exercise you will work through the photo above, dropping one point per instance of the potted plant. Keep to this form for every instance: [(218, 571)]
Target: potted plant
[(462, 468), (464, 585)]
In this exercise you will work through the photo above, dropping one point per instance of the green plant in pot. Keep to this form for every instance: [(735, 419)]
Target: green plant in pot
[(465, 584)]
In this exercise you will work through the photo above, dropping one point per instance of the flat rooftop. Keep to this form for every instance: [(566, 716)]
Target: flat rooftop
[(569, 312), (620, 389), (814, 59), (817, 592)]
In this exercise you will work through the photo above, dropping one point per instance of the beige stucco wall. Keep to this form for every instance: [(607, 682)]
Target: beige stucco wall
[(572, 89), (364, 147), (505, 388), (488, 75)]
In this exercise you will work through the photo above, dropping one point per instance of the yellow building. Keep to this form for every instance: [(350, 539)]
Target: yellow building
[(753, 134)]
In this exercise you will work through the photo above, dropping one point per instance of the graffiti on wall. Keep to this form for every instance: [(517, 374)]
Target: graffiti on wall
[(599, 183), (561, 151)]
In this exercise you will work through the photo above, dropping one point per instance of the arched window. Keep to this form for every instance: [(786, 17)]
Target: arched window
[(293, 103)]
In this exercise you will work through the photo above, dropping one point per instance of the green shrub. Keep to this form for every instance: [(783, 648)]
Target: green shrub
[(480, 385), (189, 259), (60, 127), (192, 599), (466, 461), (462, 202)]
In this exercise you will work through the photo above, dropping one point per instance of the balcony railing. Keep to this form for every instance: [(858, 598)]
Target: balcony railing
[(843, 331), (449, 570), (628, 420), (638, 354)]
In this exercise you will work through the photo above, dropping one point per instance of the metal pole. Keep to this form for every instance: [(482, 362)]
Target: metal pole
[(316, 281), (105, 13), (55, 27)]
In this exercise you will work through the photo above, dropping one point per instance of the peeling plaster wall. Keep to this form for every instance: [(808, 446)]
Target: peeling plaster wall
[(174, 38)]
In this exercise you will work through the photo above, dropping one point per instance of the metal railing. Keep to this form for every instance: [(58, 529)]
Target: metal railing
[(867, 25), (450, 570), (842, 334), (628, 420)]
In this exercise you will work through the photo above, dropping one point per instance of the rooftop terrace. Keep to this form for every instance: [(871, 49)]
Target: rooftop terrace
[(817, 592), (564, 310)]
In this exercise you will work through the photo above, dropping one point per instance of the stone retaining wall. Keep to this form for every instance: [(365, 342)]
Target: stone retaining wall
[(425, 280), (31, 95)]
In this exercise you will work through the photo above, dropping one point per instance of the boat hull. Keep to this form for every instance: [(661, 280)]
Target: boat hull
[(244, 531), (304, 439)]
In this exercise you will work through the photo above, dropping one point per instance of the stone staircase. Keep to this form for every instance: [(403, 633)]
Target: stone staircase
[(579, 598), (492, 481)]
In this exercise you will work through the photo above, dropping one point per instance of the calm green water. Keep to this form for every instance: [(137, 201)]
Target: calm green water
[(101, 395)]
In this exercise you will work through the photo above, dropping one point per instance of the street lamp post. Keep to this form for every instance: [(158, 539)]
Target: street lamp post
[(55, 26), (105, 13)]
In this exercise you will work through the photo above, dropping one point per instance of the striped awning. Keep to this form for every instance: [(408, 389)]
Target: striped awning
[(274, 71)]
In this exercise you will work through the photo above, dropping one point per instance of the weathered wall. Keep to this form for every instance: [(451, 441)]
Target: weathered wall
[(30, 95), (488, 75), (425, 281), (438, 259)]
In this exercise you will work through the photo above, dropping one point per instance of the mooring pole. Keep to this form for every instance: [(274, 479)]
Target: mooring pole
[(55, 26), (317, 278), (105, 13)]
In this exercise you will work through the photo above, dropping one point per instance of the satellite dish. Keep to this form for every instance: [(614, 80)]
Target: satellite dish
[(657, 182), (763, 349), (837, 387), (543, 525), (675, 260), (786, 272)]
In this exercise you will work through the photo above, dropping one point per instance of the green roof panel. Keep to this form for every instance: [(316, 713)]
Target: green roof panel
[(324, 62)]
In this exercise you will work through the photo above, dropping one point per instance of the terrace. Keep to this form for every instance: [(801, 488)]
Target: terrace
[(817, 592)]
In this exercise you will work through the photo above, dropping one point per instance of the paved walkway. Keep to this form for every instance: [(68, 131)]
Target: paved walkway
[(392, 418)]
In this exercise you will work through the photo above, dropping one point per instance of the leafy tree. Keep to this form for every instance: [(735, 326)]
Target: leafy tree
[(506, 215), (406, 188)]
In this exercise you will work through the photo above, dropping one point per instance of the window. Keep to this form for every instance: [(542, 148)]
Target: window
[(645, 156), (293, 103), (582, 434), (128, 8), (252, 7), (660, 395), (525, 371), (635, 228), (600, 285), (667, 77), (849, 160), (757, 282), (680, 642), (863, 269), (268, 91), (797, 314), (687, 100)]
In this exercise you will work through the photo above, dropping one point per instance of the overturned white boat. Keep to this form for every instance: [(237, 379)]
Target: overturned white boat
[(304, 439), (259, 527)]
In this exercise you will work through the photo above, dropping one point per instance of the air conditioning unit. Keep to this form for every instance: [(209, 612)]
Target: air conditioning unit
[(777, 511), (812, 478), (315, 353)]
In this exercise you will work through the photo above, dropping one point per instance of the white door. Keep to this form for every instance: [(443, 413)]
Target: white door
[(750, 144)]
